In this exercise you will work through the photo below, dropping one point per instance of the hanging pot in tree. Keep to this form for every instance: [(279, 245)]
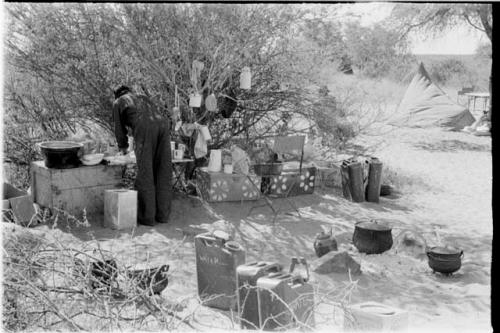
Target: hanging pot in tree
[(211, 103), (245, 78), (372, 237), (195, 100)]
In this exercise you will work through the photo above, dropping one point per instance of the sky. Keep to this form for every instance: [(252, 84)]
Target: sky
[(462, 40)]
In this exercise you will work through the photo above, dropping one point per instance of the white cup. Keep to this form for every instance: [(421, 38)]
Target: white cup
[(178, 154), (228, 168)]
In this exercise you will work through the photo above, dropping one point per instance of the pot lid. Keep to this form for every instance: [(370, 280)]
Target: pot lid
[(323, 235), (373, 225), (60, 145), (444, 250)]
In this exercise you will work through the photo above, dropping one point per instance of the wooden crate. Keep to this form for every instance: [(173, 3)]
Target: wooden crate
[(329, 176), (218, 186), (74, 189)]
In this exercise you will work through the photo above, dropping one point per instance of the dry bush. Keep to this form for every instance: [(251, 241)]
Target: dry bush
[(48, 285), (403, 182)]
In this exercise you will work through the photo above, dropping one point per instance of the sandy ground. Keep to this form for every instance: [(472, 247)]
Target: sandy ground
[(451, 194)]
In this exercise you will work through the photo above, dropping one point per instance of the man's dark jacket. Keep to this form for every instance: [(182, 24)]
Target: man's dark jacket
[(151, 133)]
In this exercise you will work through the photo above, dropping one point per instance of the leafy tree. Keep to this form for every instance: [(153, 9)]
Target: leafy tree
[(484, 50), (437, 17)]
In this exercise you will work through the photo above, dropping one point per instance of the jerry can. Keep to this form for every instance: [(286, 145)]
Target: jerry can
[(216, 260), (324, 243), (285, 300), (246, 276)]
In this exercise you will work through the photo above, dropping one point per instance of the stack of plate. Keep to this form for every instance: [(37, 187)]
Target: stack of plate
[(92, 159)]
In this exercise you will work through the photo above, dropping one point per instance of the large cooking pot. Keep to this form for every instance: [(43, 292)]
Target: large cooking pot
[(372, 237), (445, 259), (61, 154)]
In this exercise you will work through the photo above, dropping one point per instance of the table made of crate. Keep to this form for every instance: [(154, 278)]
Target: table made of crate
[(75, 189)]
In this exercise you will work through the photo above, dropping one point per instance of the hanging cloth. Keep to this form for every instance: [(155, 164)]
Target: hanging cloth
[(200, 147)]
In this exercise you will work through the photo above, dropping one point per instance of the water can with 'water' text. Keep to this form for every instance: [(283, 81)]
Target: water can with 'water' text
[(217, 258)]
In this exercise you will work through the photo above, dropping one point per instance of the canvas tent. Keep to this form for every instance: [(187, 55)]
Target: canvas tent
[(425, 105)]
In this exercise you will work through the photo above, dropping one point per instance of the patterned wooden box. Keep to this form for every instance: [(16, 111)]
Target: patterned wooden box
[(304, 182), (219, 186)]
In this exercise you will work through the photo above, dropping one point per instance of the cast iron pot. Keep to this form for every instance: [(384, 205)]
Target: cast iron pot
[(61, 154), (372, 237), (154, 280), (445, 260), (103, 274)]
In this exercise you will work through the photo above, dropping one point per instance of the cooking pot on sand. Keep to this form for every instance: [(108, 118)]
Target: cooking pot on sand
[(444, 259), (372, 237)]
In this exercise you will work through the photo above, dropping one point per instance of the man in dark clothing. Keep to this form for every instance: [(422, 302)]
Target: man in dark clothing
[(151, 133)]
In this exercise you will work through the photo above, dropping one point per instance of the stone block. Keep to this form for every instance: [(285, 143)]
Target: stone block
[(336, 262)]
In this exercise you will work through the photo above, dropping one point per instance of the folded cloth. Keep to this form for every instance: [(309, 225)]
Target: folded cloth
[(200, 146), (121, 159)]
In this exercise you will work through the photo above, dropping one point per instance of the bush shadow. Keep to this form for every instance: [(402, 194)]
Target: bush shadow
[(452, 146)]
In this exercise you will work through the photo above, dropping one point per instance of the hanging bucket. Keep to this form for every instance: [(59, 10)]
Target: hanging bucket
[(245, 78), (195, 100), (211, 103)]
